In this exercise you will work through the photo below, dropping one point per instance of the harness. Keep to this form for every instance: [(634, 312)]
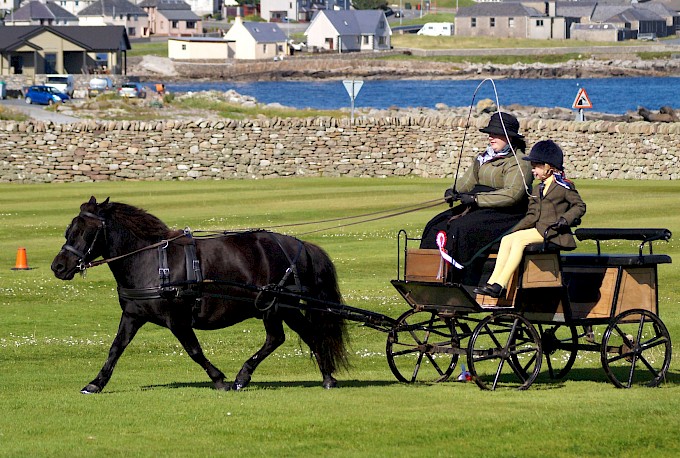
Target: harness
[(81, 256), (267, 296)]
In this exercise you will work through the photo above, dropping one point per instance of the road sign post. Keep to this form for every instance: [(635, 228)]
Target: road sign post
[(352, 87), (581, 102)]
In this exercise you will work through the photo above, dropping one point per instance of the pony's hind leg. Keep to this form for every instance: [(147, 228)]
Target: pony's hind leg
[(298, 323), (275, 337), (187, 337)]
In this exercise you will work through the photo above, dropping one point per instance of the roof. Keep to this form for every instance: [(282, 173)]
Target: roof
[(637, 14), (575, 9), (179, 15), (91, 38), (165, 4), (37, 10), (353, 22), (108, 7), (498, 10), (265, 32)]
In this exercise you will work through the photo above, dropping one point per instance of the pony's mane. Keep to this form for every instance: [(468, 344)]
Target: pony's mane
[(142, 224)]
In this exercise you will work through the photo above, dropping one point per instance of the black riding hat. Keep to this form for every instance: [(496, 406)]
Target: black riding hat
[(496, 125), (546, 152)]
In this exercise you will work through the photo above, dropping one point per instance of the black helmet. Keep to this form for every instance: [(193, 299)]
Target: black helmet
[(496, 125), (547, 152)]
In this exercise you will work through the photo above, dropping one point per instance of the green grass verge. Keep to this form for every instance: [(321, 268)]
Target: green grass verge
[(154, 48), (54, 337)]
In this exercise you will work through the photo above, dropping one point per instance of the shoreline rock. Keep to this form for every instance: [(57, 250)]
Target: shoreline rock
[(315, 68)]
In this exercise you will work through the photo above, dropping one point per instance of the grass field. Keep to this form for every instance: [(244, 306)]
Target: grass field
[(54, 337)]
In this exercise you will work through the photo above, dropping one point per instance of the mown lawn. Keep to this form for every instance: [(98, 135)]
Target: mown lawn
[(54, 337)]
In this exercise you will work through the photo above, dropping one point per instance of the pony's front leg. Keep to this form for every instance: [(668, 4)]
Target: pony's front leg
[(127, 329), (187, 337), (275, 337)]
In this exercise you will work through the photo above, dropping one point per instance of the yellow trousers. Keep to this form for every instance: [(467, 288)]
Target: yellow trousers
[(510, 254)]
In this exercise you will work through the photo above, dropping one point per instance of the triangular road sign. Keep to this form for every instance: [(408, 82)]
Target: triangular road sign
[(353, 87), (582, 100)]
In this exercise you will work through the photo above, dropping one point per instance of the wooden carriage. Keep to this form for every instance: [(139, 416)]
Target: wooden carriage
[(553, 306)]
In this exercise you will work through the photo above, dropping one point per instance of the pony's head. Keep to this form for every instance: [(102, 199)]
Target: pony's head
[(84, 240), (101, 228)]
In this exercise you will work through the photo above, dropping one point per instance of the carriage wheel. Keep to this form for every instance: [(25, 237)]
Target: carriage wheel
[(560, 345), (636, 349), (421, 347), (504, 351)]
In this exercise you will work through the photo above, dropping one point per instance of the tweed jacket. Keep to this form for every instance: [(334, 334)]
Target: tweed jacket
[(557, 202), (504, 174)]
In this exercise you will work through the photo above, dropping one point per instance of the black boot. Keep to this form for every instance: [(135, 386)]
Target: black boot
[(494, 290)]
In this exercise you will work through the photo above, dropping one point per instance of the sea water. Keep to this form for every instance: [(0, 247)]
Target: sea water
[(608, 95)]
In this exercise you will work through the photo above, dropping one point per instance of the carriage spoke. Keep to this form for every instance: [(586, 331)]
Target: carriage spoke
[(413, 354), (636, 349), (515, 363)]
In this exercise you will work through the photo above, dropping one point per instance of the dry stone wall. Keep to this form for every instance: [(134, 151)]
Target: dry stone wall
[(424, 146)]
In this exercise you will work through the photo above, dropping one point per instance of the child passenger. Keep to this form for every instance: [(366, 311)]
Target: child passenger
[(554, 202)]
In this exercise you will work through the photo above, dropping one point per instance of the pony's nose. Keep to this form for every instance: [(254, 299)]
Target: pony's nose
[(58, 267)]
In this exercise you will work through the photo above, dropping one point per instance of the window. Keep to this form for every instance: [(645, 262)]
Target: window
[(264, 48), (492, 22), (381, 24), (132, 31), (365, 39), (191, 24), (175, 24), (473, 22), (50, 63), (511, 22), (381, 41), (539, 22), (184, 47)]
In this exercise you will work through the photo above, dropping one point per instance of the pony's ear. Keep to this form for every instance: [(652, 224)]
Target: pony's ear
[(92, 200), (105, 202)]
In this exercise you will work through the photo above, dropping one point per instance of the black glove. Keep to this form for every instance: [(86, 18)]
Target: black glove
[(467, 199), (562, 223), (450, 197)]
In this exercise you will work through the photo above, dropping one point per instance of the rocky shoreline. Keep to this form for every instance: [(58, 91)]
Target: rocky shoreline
[(357, 66)]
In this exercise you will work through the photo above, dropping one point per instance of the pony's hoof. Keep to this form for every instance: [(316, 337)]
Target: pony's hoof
[(91, 389), (221, 386), (329, 384), (240, 383)]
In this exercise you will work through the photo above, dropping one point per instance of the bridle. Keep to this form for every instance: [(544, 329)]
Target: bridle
[(82, 256)]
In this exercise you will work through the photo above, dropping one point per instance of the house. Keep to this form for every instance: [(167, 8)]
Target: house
[(506, 20), (294, 10), (34, 49), (41, 13), (200, 48), (349, 30), (256, 40), (116, 12), (171, 18), (604, 31), (7, 6), (205, 7)]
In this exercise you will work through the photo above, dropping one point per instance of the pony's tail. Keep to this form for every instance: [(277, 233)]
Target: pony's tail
[(330, 330)]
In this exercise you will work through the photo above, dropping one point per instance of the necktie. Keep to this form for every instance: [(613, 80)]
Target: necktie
[(541, 187)]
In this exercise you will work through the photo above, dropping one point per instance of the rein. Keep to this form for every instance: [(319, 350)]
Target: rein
[(122, 256), (82, 266)]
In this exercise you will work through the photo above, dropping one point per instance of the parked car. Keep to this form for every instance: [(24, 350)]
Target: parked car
[(133, 90), (99, 85), (62, 83), (45, 95)]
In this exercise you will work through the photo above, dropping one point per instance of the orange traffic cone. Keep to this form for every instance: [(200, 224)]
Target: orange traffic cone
[(21, 263)]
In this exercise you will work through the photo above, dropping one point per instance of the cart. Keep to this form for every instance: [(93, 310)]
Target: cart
[(555, 309)]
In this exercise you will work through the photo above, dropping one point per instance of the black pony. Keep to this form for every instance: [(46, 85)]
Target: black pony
[(174, 280)]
